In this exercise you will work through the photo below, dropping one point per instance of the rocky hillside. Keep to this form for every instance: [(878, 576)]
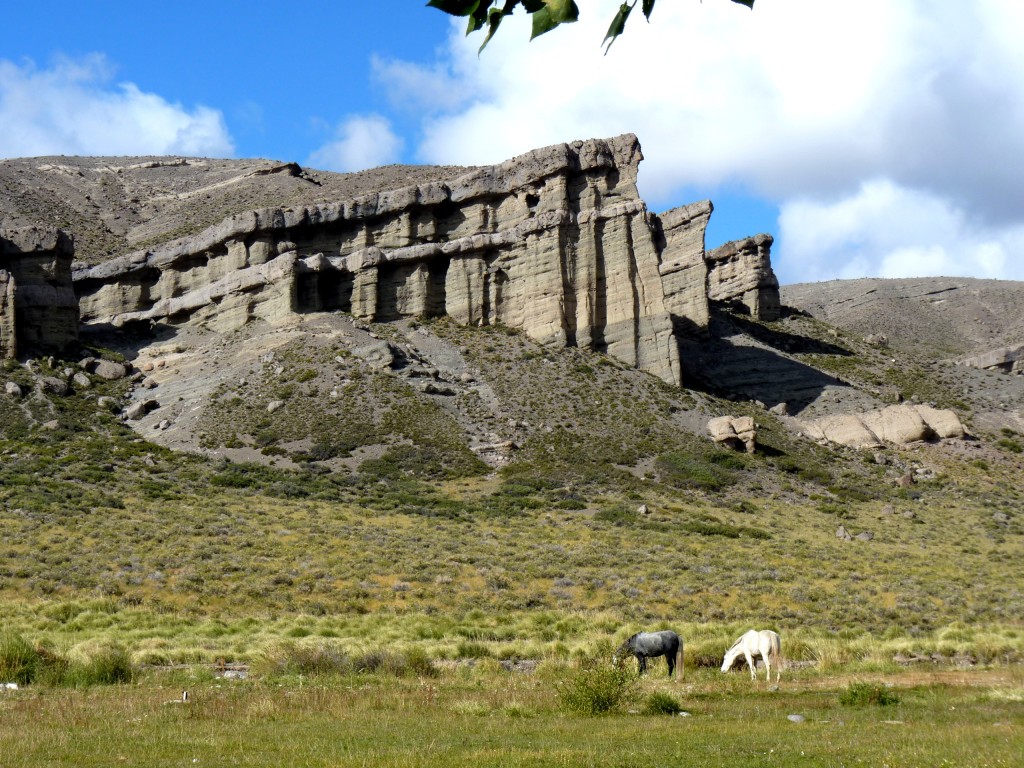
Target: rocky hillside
[(113, 205), (267, 309)]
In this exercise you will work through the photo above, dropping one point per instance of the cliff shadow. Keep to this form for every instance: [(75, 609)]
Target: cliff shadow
[(739, 359), (729, 322), (127, 339)]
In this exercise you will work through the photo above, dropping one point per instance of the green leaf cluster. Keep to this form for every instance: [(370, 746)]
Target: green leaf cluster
[(547, 14)]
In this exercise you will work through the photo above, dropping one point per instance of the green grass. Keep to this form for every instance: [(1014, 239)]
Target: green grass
[(487, 716)]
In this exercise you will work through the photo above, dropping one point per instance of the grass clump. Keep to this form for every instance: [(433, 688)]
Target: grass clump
[(661, 703), (107, 665), (862, 694), (595, 689), (322, 660), (19, 660), (681, 470)]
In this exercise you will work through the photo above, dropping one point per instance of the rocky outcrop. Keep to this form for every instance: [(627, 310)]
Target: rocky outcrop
[(736, 432), (555, 242), (740, 273), (897, 424), (683, 269), (1008, 359), (38, 308)]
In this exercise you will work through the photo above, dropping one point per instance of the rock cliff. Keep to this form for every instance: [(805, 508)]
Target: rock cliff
[(38, 308), (741, 273), (683, 268), (555, 242)]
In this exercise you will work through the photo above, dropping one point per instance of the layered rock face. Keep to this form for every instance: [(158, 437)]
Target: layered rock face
[(741, 272), (1008, 359), (38, 308), (683, 269), (555, 242)]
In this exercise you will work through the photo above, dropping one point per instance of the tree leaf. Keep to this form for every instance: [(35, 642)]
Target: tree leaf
[(617, 26), (563, 11), (748, 3), (455, 7), (493, 20), (649, 6), (553, 13), (478, 16)]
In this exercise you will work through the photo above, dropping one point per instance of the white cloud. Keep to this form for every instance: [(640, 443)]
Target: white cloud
[(417, 88), (363, 141), (884, 230), (796, 100), (73, 109)]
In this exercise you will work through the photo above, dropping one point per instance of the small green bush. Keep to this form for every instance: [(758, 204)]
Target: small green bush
[(19, 660), (867, 694), (595, 689), (685, 471), (293, 659), (661, 703), (109, 665)]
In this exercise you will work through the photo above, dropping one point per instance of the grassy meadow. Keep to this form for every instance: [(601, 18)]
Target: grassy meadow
[(424, 609), (483, 715)]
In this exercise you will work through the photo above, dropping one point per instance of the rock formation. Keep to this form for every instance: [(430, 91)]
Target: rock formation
[(38, 308), (683, 268), (1009, 359), (741, 273), (555, 242), (897, 424), (736, 432)]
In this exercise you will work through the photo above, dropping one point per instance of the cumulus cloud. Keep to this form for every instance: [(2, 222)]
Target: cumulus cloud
[(798, 100), (362, 141), (885, 230), (73, 108)]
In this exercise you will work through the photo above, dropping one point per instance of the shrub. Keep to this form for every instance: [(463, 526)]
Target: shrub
[(661, 703), (108, 665), (865, 694), (684, 471), (19, 660), (595, 690), (292, 659)]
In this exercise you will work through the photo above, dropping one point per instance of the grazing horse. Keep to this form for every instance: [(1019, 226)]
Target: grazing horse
[(764, 644), (645, 645)]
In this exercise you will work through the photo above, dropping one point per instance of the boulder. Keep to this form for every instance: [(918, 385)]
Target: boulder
[(896, 424), (51, 385), (12, 389), (736, 432), (843, 534), (377, 354), (137, 410), (81, 381), (109, 370)]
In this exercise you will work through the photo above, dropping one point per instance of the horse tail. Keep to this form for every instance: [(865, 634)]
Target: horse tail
[(778, 657), (777, 653)]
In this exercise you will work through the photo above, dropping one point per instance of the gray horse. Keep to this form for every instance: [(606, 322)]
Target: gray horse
[(645, 645)]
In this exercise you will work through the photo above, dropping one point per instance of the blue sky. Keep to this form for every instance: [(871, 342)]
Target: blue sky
[(871, 138)]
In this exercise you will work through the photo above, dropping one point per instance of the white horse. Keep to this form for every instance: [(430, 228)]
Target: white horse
[(764, 644)]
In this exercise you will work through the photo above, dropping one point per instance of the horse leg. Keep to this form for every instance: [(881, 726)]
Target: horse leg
[(643, 665), (670, 658), (750, 663)]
